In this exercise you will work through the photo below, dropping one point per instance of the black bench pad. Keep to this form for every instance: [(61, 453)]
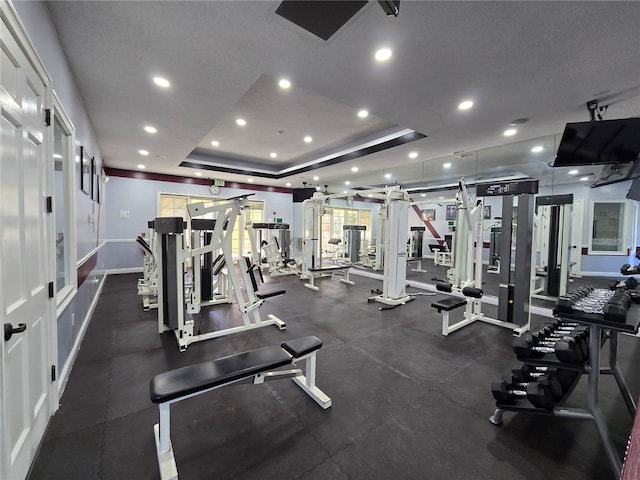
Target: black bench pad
[(448, 304), (194, 378), (328, 268), (202, 376), (299, 347)]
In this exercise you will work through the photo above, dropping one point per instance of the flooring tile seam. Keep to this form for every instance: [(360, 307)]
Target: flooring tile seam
[(103, 433)]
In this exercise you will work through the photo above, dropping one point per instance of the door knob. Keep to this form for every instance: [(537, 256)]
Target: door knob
[(9, 330)]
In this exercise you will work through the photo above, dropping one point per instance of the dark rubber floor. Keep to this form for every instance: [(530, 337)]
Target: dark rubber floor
[(408, 403)]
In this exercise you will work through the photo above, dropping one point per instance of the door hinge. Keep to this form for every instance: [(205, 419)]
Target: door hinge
[(51, 293), (49, 206), (47, 117), (53, 373)]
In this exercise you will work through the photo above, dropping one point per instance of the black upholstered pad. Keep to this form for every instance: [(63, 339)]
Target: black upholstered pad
[(448, 303), (328, 268), (299, 347), (195, 378), (144, 245)]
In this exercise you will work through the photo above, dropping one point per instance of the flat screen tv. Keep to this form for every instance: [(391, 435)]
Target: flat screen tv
[(302, 194), (617, 173), (599, 143), (634, 190)]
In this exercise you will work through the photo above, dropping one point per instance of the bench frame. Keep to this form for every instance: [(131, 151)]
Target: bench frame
[(305, 380), (326, 271)]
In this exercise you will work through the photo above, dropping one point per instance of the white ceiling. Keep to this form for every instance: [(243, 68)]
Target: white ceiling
[(539, 60)]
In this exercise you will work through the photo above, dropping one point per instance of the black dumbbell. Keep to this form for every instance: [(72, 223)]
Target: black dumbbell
[(567, 349), (548, 381), (506, 394), (581, 337), (527, 373)]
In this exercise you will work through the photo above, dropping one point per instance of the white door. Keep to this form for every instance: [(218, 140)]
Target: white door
[(576, 239), (26, 388)]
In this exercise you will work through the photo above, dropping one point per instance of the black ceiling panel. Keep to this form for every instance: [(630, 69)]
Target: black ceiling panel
[(323, 19)]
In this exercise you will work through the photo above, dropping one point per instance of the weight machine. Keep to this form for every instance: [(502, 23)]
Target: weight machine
[(395, 212), (312, 266), (172, 255), (466, 275), (552, 236), (148, 285)]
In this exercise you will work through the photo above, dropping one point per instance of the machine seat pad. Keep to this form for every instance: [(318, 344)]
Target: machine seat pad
[(449, 303), (299, 347), (202, 376), (263, 296), (328, 268)]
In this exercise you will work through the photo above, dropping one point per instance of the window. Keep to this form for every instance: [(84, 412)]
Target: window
[(334, 218), (609, 233), (176, 206), (63, 199)]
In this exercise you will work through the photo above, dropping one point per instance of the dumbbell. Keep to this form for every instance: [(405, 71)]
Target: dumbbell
[(548, 381), (507, 394), (581, 337), (526, 373), (567, 349)]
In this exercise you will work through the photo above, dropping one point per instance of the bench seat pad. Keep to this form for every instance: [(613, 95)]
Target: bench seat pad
[(299, 347), (448, 303), (328, 268), (195, 378)]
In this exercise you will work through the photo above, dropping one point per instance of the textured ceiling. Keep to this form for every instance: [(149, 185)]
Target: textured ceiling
[(539, 60)]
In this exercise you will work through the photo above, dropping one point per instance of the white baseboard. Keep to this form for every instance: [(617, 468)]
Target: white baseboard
[(118, 271), (64, 373), (601, 274)]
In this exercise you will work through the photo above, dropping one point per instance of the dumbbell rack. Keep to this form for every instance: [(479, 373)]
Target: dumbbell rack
[(599, 330)]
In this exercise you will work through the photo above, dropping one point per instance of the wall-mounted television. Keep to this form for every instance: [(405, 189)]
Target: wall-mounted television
[(617, 173), (599, 143), (302, 194), (634, 190)]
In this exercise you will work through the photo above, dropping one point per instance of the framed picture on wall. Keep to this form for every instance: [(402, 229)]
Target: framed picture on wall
[(451, 212), (85, 171), (486, 212), (429, 214), (95, 181)]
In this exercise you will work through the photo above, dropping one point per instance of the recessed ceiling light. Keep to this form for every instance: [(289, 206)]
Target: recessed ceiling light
[(413, 155), (446, 165), (510, 132), (466, 105), (584, 179), (143, 152), (198, 174), (215, 143), (363, 113), (284, 84), (241, 122), (141, 167), (383, 55), (161, 82), (347, 182), (288, 184), (316, 178), (308, 139), (518, 121), (344, 191), (57, 155), (354, 169), (370, 195), (573, 172), (537, 149), (387, 176), (317, 188), (423, 194), (250, 180), (273, 155), (150, 129)]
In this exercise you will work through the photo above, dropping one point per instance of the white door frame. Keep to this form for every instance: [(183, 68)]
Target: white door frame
[(10, 18)]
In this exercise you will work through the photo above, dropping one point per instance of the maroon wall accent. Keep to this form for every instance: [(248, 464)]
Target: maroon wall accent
[(85, 269), (430, 227), (160, 177)]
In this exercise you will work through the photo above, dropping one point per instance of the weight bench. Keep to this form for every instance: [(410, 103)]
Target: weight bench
[(447, 304), (254, 366), (323, 270)]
